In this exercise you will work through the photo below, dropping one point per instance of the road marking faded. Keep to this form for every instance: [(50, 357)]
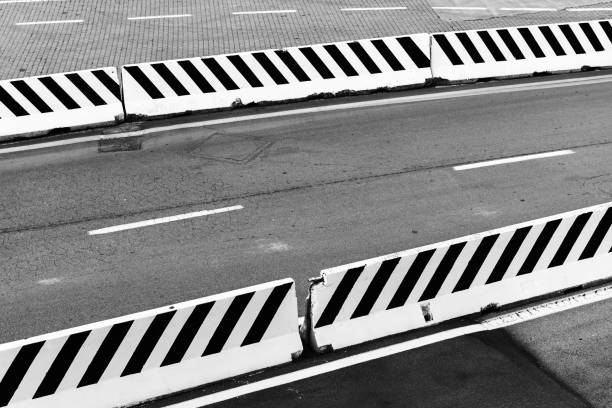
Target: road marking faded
[(373, 8), (159, 17), (514, 159), (530, 86), (504, 320), (162, 220), (48, 22), (458, 8), (527, 9), (268, 247), (48, 282), (239, 13), (590, 9), (25, 1)]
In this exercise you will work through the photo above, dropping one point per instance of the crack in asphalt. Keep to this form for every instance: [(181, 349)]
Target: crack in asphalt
[(406, 170)]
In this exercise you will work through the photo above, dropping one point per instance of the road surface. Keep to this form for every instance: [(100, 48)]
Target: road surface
[(318, 190), (560, 360)]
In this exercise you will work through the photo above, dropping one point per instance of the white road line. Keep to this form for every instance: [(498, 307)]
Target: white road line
[(327, 367), (590, 9), (159, 17), (373, 8), (527, 9), (239, 13), (162, 220), (505, 320), (513, 160), (49, 22), (458, 8), (529, 86), (25, 1)]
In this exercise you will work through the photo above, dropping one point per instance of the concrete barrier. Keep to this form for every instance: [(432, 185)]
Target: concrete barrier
[(378, 297), (222, 81), (149, 354), (520, 51), (37, 105)]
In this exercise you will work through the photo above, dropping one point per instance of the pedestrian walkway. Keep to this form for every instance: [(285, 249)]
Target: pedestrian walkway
[(43, 36)]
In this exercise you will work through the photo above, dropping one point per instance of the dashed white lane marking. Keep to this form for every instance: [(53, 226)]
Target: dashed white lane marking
[(25, 1), (484, 212), (505, 320), (159, 17), (373, 8), (49, 22), (527, 9), (239, 13), (162, 220), (590, 9), (269, 247), (512, 160), (530, 86), (458, 8), (48, 282)]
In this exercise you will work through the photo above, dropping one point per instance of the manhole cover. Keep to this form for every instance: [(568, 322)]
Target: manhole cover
[(231, 148)]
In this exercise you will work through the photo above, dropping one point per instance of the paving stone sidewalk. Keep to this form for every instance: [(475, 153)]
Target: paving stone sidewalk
[(106, 37)]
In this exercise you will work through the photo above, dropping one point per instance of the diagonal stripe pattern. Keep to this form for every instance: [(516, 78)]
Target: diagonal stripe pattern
[(147, 337), (465, 263), (293, 72), (71, 100), (58, 92), (498, 52)]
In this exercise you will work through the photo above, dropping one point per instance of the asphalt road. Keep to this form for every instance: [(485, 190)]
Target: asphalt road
[(318, 190), (561, 360)]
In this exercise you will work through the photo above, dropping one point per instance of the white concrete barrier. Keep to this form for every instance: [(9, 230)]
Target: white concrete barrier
[(37, 105), (378, 297), (520, 51), (221, 81), (149, 354)]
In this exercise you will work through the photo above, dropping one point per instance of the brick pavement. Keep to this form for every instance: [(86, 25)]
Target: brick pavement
[(107, 38)]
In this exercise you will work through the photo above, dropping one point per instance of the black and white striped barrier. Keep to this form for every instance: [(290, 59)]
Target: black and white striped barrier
[(37, 105), (378, 297), (516, 51), (141, 356), (221, 81)]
